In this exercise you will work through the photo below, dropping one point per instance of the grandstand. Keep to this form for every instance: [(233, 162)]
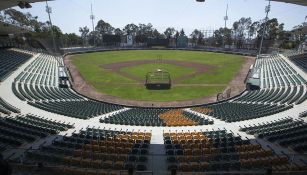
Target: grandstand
[(46, 128)]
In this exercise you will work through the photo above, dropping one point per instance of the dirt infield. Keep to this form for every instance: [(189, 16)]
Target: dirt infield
[(81, 86), (116, 67)]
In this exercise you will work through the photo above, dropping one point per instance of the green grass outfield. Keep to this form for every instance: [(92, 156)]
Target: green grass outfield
[(106, 81)]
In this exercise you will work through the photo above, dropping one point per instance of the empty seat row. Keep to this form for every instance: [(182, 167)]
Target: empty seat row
[(10, 60), (156, 117), (286, 132), (17, 130), (219, 150), (236, 111), (300, 61), (83, 109), (96, 149)]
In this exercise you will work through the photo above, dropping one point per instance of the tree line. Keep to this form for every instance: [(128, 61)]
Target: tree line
[(243, 32)]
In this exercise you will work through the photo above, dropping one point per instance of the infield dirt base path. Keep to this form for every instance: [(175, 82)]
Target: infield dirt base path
[(81, 86)]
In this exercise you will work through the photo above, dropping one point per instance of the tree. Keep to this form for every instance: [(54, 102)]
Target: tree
[(16, 17), (241, 28), (272, 31), (56, 31), (145, 30), (84, 33), (157, 34), (118, 31), (104, 28), (197, 37), (24, 20), (182, 33), (169, 32), (223, 35), (252, 30), (131, 29), (93, 35), (177, 34), (71, 39)]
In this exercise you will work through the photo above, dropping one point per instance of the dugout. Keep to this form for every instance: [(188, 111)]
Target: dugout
[(63, 77)]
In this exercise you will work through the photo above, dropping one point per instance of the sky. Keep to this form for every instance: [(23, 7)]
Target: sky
[(69, 15)]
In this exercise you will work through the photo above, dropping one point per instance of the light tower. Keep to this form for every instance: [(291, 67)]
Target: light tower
[(226, 16), (267, 10), (225, 19), (49, 11), (92, 17)]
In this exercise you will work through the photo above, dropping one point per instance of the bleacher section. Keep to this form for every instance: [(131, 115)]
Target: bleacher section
[(10, 60), (281, 88), (303, 114), (6, 108), (300, 61), (212, 151), (6, 43), (79, 109), (38, 85), (286, 132), (96, 151), (276, 72), (233, 112), (15, 131), (156, 117)]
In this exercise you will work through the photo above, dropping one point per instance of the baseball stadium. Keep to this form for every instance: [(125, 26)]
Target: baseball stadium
[(142, 98)]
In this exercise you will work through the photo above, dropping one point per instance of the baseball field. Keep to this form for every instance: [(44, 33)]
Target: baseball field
[(194, 74)]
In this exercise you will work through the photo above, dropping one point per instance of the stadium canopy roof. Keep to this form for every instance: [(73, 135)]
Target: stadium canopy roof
[(4, 4), (298, 2)]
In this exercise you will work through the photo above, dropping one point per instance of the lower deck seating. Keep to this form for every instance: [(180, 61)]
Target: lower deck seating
[(37, 93), (97, 150), (233, 112), (156, 117), (213, 151), (300, 61), (10, 60), (14, 131), (285, 132), (303, 114), (294, 95), (6, 108), (82, 109)]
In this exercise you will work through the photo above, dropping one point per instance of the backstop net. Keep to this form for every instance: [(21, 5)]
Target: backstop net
[(158, 79)]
